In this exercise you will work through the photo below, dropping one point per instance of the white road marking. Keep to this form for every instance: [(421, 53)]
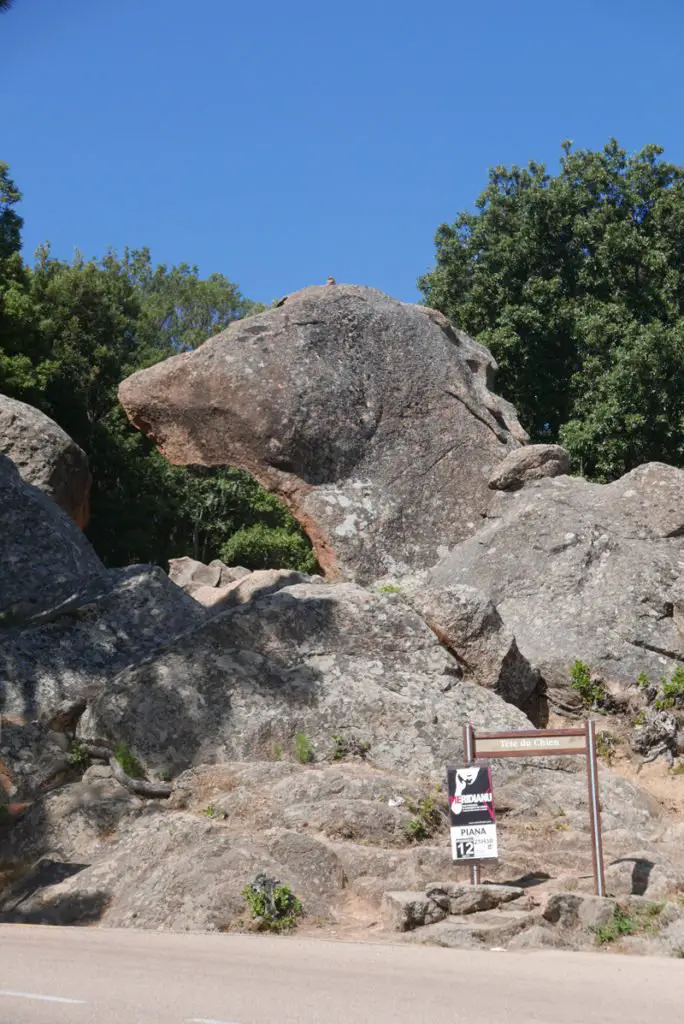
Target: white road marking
[(46, 999), (205, 1020)]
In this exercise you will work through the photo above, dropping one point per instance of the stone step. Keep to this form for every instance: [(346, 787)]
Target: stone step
[(486, 929)]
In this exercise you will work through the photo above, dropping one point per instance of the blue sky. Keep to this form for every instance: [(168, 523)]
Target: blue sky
[(279, 142)]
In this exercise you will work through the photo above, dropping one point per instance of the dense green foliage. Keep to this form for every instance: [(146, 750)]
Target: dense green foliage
[(576, 283), (69, 333)]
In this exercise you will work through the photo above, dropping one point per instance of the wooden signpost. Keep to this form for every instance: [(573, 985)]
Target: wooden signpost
[(545, 743)]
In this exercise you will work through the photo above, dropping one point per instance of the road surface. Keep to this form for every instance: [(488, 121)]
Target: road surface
[(96, 976)]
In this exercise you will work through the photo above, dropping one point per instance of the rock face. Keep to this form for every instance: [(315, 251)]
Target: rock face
[(533, 462), (373, 420), (583, 571), (46, 457), (310, 658), (67, 627), (44, 556), (190, 574), (469, 626)]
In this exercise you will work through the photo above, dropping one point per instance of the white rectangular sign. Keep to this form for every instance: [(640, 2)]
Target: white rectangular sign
[(473, 842)]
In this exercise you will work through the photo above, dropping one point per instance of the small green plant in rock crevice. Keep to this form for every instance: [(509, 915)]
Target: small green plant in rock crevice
[(606, 746), (346, 746), (620, 925), (214, 812), (590, 691), (303, 748), (128, 761), (277, 752), (78, 758), (427, 820), (274, 907), (671, 691), (389, 588), (643, 920)]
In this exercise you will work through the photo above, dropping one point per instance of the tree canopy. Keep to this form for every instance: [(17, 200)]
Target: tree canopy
[(575, 281), (69, 333)]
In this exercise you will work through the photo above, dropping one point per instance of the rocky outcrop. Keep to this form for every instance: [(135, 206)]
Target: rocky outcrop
[(533, 462), (470, 627), (374, 420), (217, 586), (583, 571), (44, 556), (310, 658), (191, 574), (46, 457)]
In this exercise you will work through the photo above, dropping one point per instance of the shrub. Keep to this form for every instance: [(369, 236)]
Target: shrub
[(78, 757), (273, 905), (605, 746), (671, 691), (643, 920), (590, 691), (390, 588), (265, 547), (277, 752), (128, 761), (427, 821), (642, 681), (346, 746), (303, 748), (621, 924)]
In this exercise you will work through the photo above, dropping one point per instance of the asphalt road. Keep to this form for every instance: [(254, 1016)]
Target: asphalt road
[(95, 976)]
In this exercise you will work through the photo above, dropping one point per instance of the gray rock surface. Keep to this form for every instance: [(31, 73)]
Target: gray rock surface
[(583, 571), (189, 573), (470, 627), (46, 457), (311, 658), (44, 554), (533, 462), (373, 419), (112, 620)]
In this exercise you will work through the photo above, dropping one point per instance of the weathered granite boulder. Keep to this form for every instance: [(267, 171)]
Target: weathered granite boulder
[(533, 462), (311, 658), (583, 571), (107, 623), (373, 419), (190, 574), (44, 555), (46, 457), (470, 627)]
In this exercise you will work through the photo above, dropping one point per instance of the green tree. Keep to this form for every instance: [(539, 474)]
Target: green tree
[(576, 283), (69, 333)]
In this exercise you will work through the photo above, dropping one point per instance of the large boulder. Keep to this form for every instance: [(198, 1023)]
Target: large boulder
[(470, 627), (583, 571), (373, 419), (44, 555), (533, 462), (67, 651), (46, 457), (310, 658)]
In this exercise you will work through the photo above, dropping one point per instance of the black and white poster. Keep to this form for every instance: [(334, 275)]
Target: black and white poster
[(471, 812)]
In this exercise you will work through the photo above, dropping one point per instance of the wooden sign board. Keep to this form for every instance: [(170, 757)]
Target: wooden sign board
[(546, 743)]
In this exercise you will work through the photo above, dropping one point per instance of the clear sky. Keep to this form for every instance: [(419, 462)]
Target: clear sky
[(279, 142)]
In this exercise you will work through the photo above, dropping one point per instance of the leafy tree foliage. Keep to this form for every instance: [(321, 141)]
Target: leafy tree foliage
[(576, 283), (69, 333)]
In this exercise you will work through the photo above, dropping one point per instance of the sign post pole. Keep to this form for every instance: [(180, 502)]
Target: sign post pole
[(595, 812), (469, 751)]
